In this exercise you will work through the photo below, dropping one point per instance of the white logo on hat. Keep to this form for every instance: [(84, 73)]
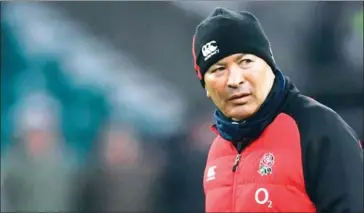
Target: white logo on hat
[(209, 49)]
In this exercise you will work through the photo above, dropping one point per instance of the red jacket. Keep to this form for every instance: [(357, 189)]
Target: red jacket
[(268, 178), (306, 159)]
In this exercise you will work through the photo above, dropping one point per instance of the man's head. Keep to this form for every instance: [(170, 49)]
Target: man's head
[(234, 62)]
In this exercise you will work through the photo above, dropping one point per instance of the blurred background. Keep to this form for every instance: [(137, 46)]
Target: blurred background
[(101, 109)]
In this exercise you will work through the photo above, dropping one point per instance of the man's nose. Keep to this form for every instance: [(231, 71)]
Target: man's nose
[(235, 77)]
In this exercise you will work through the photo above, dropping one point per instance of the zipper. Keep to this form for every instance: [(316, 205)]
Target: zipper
[(236, 162), (239, 147)]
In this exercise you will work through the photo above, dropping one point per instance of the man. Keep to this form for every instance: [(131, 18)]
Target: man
[(276, 150)]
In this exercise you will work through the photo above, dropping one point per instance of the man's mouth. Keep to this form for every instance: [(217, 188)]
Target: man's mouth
[(239, 96)]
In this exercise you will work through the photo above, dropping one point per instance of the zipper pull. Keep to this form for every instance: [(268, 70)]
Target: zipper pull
[(236, 163), (239, 147)]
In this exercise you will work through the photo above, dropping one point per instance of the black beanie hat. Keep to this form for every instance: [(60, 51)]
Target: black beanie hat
[(224, 33)]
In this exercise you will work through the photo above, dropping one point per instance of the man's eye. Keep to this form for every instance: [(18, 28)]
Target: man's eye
[(246, 61), (219, 69)]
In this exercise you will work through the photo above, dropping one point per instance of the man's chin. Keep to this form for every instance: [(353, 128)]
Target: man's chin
[(242, 112)]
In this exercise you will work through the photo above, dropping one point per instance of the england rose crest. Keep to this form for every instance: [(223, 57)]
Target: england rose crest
[(266, 163)]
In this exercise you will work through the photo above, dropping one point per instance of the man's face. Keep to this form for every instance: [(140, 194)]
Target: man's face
[(239, 84)]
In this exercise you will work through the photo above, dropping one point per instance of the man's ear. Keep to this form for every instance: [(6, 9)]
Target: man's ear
[(207, 93)]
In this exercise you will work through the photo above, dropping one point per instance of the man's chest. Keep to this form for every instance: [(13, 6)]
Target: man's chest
[(270, 166), (269, 173), (263, 181)]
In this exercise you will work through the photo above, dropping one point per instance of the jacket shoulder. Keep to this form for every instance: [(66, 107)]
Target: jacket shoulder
[(313, 117), (329, 146), (219, 148)]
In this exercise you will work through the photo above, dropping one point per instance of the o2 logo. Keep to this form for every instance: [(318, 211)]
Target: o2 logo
[(262, 197)]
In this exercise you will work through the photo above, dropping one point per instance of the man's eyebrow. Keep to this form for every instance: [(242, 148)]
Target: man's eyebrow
[(219, 64), (215, 66), (238, 58)]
